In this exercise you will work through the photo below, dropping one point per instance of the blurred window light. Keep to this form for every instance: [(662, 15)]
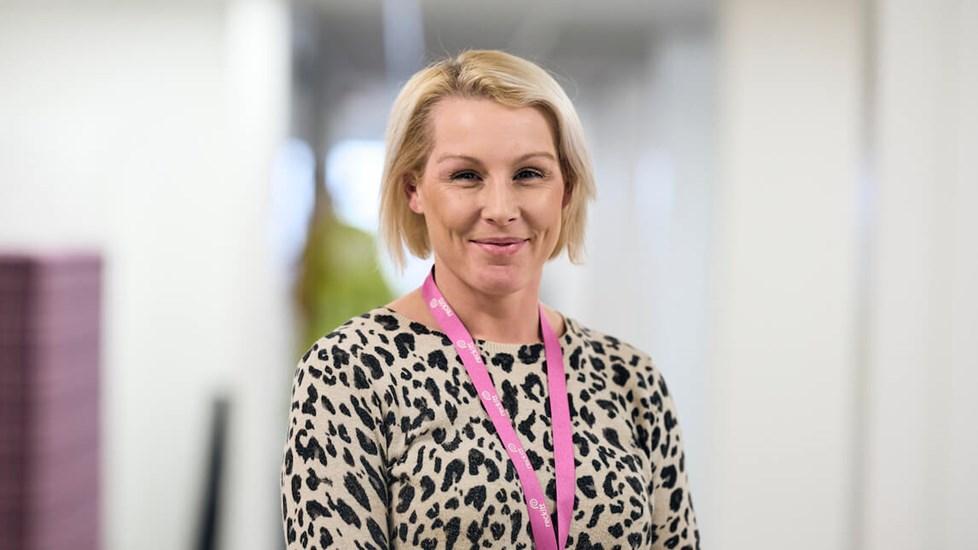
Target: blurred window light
[(353, 171), (292, 193)]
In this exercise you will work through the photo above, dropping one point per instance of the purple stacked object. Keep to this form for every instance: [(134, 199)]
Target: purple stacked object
[(49, 401)]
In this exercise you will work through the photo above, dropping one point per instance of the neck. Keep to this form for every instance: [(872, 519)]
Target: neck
[(504, 318)]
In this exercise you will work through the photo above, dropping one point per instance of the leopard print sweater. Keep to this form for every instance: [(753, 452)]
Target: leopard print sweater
[(389, 447)]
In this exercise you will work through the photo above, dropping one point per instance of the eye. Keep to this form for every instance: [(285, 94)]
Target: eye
[(463, 175), (529, 173)]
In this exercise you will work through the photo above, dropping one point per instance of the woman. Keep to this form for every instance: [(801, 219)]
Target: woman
[(466, 413)]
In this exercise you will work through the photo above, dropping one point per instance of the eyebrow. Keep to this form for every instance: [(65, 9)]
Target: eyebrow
[(473, 159)]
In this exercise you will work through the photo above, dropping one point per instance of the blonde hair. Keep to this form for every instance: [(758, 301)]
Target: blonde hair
[(508, 80)]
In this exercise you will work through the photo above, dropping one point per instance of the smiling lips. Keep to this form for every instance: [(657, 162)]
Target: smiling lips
[(503, 246), (499, 240)]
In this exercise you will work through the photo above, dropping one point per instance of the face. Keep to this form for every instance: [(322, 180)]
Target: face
[(492, 174)]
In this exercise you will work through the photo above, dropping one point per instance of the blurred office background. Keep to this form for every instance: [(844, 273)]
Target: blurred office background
[(782, 222)]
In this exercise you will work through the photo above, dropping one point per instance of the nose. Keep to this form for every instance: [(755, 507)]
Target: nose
[(500, 203)]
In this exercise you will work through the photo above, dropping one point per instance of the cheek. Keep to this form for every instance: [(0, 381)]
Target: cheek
[(449, 216), (546, 213)]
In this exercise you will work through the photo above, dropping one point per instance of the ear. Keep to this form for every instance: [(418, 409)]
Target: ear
[(413, 195)]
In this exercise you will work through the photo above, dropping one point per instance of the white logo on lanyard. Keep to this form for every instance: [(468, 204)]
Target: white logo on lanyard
[(541, 509), (493, 400), (441, 304)]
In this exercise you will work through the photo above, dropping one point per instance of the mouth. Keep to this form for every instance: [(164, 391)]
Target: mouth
[(501, 248)]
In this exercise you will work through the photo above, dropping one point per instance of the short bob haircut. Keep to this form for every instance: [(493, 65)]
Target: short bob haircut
[(509, 80)]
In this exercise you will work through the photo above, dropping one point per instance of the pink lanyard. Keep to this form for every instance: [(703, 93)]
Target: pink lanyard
[(543, 533)]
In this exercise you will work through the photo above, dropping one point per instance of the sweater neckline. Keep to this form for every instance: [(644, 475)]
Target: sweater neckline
[(570, 328)]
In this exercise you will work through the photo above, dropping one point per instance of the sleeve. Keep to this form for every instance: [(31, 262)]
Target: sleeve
[(333, 475), (674, 517)]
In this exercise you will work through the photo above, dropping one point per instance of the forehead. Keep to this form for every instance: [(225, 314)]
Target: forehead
[(466, 125)]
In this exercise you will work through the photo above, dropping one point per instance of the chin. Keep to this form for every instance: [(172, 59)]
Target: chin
[(499, 280)]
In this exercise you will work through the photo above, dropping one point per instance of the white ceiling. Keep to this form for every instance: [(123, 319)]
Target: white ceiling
[(351, 32), (339, 46), (601, 12)]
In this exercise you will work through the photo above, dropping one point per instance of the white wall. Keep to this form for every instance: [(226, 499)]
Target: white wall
[(782, 362), (144, 129), (919, 480), (846, 306)]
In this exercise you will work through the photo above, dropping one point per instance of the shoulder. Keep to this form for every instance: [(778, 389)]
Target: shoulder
[(373, 328), (377, 335), (627, 363), (359, 352), (611, 347)]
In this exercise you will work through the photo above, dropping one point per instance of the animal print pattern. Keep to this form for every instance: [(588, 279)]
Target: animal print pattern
[(389, 446)]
